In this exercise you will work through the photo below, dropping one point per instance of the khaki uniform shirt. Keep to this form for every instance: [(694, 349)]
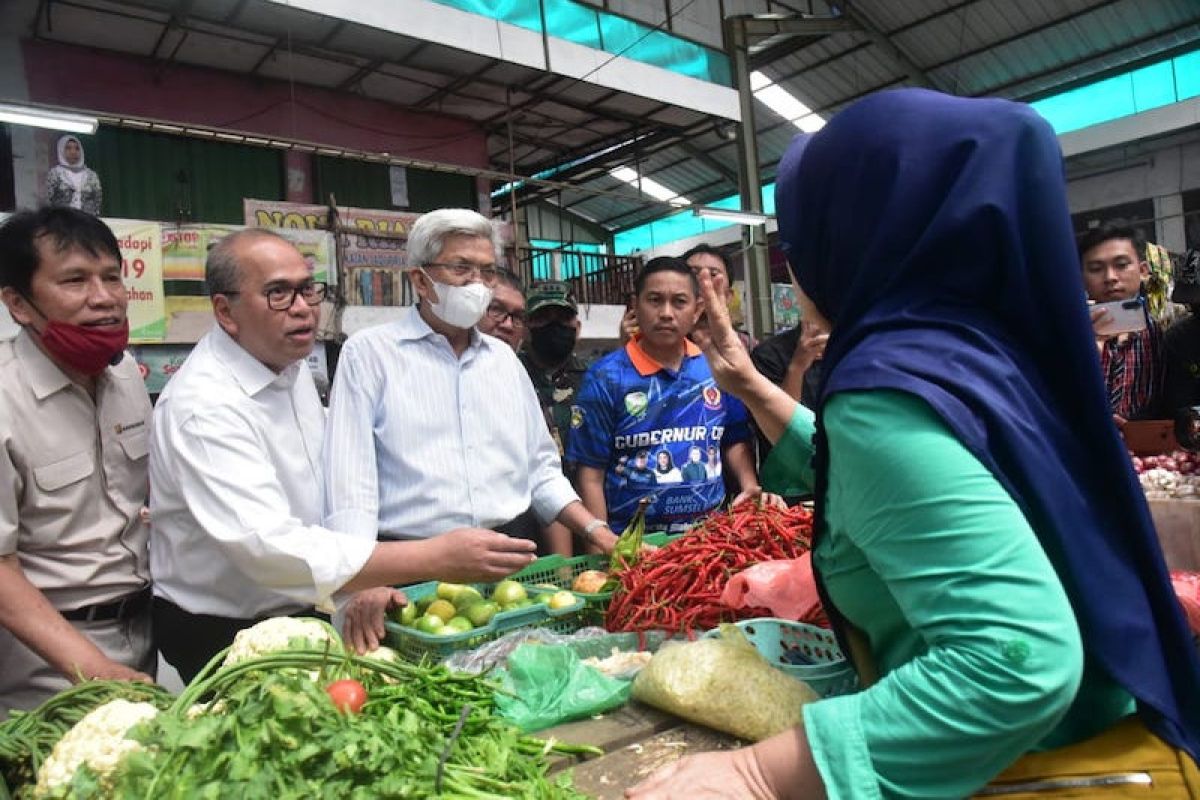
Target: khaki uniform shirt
[(73, 477)]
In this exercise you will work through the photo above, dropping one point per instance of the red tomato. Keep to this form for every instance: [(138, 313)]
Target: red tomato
[(347, 695)]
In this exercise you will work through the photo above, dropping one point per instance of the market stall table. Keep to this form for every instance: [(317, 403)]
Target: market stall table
[(1178, 524), (636, 740)]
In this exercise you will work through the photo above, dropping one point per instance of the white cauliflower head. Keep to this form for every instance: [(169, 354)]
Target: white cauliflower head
[(383, 653), (279, 633), (97, 740)]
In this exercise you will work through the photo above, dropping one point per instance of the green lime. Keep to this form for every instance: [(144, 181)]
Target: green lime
[(442, 608), (429, 624), (449, 591), (405, 614), (480, 613), (458, 625), (508, 593), (467, 597)]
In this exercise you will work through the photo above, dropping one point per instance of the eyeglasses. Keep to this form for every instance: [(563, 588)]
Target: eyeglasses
[(488, 274), (281, 298), (498, 314)]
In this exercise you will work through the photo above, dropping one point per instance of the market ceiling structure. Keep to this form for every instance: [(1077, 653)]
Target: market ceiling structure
[(1019, 49)]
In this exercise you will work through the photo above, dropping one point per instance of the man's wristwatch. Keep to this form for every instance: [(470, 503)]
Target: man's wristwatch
[(591, 528)]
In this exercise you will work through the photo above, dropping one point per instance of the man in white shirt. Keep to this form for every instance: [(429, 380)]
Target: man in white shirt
[(235, 472), (434, 426)]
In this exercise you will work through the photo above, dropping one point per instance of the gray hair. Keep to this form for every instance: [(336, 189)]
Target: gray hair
[(222, 272), (428, 235)]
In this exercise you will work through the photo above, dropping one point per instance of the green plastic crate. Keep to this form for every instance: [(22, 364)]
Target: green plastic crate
[(416, 646), (562, 572)]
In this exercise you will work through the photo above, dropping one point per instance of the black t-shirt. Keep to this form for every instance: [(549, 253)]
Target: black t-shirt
[(1181, 360), (771, 358)]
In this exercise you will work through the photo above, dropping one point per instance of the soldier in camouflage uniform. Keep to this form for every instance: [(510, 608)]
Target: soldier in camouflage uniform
[(552, 321)]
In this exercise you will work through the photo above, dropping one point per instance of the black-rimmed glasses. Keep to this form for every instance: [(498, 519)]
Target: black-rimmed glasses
[(498, 314), (281, 298)]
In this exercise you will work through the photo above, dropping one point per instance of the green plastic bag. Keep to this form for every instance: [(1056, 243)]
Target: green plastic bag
[(547, 684)]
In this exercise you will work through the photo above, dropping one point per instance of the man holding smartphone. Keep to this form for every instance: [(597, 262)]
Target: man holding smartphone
[(1130, 343)]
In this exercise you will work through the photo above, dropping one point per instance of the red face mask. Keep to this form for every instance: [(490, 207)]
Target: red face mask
[(86, 349)]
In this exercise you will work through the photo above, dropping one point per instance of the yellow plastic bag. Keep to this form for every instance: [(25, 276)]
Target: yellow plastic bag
[(723, 683)]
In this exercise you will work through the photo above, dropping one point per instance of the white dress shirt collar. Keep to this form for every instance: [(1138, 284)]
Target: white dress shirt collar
[(413, 327), (250, 373)]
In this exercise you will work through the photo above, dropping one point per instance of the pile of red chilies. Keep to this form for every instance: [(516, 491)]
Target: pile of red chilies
[(678, 587)]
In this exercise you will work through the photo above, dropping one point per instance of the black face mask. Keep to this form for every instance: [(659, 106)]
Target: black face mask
[(552, 342)]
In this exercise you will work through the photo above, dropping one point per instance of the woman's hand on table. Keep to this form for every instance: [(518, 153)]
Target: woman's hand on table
[(725, 775)]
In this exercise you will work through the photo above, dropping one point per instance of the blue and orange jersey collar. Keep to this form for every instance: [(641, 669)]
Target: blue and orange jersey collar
[(644, 364)]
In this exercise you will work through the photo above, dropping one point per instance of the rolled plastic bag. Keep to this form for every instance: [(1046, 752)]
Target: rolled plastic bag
[(544, 685), (785, 588), (723, 683)]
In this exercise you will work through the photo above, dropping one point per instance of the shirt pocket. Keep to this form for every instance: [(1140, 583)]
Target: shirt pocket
[(137, 446), (60, 474)]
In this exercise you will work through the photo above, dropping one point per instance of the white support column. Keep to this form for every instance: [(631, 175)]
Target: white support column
[(1169, 222)]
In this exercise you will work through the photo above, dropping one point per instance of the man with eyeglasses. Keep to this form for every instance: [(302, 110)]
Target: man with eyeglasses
[(505, 315), (435, 431), (235, 468)]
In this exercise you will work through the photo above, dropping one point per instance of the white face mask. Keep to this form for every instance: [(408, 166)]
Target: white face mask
[(460, 306)]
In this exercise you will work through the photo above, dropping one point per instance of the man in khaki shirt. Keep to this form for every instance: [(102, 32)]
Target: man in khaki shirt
[(74, 418)]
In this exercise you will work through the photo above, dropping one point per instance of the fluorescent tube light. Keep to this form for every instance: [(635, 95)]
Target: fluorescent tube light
[(776, 98), (649, 186), (730, 215), (44, 118)]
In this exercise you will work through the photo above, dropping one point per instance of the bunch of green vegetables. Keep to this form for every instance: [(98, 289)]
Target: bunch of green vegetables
[(27, 737), (281, 726), (628, 549)]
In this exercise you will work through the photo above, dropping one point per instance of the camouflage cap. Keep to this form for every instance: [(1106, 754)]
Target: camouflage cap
[(549, 293)]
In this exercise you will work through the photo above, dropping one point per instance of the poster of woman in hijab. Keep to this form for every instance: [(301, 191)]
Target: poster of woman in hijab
[(71, 183)]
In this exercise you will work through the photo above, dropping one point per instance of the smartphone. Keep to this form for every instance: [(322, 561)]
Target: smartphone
[(1124, 316)]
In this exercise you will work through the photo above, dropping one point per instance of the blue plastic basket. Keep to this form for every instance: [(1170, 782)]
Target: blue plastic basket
[(806, 652)]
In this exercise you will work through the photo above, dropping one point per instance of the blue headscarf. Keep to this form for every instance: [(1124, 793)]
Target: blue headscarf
[(933, 232)]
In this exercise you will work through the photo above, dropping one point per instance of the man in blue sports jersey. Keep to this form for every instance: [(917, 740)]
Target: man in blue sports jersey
[(657, 395)]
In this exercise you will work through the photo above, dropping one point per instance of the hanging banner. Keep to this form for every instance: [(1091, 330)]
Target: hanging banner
[(358, 250), (318, 251), (185, 248), (159, 363), (141, 269), (370, 240)]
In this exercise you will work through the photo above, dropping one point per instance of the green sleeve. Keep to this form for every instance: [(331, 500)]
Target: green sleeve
[(967, 620), (788, 468)]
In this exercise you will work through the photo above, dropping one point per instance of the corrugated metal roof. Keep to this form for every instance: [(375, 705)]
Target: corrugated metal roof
[(1021, 49)]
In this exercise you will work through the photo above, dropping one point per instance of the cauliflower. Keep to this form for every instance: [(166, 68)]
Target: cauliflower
[(98, 740), (383, 653), (278, 633)]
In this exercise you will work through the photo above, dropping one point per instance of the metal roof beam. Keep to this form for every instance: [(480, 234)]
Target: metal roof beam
[(767, 26), (454, 85), (885, 43), (761, 57), (708, 161), (358, 76)]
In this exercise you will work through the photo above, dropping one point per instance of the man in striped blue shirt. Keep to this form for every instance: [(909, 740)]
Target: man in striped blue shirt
[(435, 428)]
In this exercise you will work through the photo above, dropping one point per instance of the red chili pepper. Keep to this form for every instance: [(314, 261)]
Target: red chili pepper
[(678, 587)]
